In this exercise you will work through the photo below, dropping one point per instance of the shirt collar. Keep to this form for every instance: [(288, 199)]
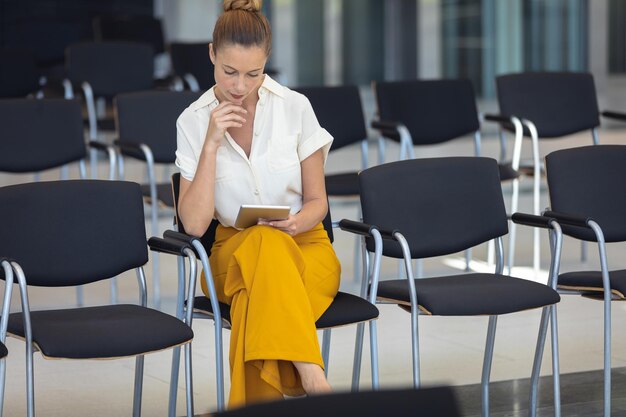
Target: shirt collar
[(208, 98)]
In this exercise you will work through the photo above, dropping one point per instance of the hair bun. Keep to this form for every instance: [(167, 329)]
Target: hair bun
[(247, 5)]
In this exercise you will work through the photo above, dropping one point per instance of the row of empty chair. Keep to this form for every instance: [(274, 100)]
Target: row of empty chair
[(400, 226), (133, 147)]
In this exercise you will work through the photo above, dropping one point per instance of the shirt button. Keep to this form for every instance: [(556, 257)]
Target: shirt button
[(256, 192), (256, 133)]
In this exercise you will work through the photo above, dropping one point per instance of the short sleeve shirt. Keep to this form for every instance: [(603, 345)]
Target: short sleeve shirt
[(286, 132)]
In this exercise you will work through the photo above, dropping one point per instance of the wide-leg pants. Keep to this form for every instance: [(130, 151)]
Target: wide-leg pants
[(277, 286)]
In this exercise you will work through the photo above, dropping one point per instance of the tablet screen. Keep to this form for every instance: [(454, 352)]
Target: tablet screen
[(249, 214)]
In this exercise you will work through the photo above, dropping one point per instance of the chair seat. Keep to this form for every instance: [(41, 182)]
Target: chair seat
[(102, 332), (343, 184), (345, 309), (3, 351), (164, 194), (590, 281), (507, 172), (470, 294), (202, 304)]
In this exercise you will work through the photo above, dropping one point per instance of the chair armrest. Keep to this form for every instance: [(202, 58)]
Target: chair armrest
[(614, 115), (168, 245), (568, 219), (387, 128), (99, 146), (497, 118), (183, 237), (364, 229), (132, 149), (533, 220)]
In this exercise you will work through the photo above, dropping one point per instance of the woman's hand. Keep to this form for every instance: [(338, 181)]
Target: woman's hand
[(289, 225), (223, 117)]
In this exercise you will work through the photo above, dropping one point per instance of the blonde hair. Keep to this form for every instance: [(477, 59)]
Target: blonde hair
[(242, 23)]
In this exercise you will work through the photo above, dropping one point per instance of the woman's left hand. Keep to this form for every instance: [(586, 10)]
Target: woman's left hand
[(289, 225)]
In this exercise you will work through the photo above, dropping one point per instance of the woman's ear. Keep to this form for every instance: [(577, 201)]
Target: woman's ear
[(212, 53)]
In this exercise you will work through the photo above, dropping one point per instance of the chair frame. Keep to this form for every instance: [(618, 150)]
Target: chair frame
[(221, 323), (130, 148), (549, 313), (155, 244), (523, 125), (7, 267), (389, 128), (567, 219)]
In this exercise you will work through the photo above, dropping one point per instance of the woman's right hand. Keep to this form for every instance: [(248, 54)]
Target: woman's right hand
[(223, 117)]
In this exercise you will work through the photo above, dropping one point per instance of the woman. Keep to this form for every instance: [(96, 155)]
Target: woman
[(249, 140)]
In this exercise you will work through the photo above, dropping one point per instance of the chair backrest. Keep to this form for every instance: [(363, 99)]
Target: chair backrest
[(111, 67), (339, 111), (149, 117), (73, 232), (434, 111), (588, 182), (145, 29), (440, 205), (558, 103), (425, 402), (193, 58), (19, 75), (40, 134), (209, 236)]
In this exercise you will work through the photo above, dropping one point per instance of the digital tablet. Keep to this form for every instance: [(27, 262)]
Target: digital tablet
[(250, 214)]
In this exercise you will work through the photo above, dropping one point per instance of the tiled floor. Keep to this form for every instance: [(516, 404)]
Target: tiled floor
[(451, 348)]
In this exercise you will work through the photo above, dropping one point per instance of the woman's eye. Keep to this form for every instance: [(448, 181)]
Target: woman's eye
[(230, 72), (253, 75)]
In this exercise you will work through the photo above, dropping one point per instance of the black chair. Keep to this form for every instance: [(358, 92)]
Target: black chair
[(191, 63), (550, 105), (105, 69), (39, 135), (130, 28), (426, 402), (345, 309), (141, 29), (19, 74), (6, 274), (431, 112), (586, 197), (340, 112), (146, 126), (70, 233), (441, 206)]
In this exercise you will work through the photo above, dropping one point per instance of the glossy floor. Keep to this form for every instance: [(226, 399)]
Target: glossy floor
[(451, 348)]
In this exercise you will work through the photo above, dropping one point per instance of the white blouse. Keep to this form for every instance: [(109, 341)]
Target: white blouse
[(286, 132)]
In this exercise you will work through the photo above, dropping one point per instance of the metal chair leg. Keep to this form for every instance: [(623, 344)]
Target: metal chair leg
[(171, 409), (188, 380), (491, 338), (415, 349), (219, 366), (326, 349), (180, 313), (556, 372), (358, 352), (374, 353), (138, 386), (534, 378)]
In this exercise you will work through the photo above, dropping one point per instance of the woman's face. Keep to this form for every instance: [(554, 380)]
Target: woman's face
[(238, 71)]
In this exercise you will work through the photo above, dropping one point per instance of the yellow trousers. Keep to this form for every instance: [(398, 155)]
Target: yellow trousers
[(277, 287)]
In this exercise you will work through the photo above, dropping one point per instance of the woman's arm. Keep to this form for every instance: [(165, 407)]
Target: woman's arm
[(196, 200), (314, 202)]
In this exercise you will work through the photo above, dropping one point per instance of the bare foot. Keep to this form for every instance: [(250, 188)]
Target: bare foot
[(313, 378)]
